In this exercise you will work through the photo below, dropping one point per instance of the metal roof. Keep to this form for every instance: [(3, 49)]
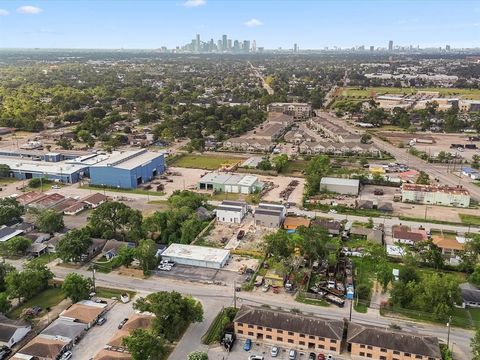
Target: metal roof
[(339, 181), (193, 252)]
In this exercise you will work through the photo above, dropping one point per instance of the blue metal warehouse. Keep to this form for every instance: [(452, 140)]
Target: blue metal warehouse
[(127, 169)]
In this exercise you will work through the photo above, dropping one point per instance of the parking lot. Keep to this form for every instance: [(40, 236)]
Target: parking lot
[(238, 353), (97, 337), (200, 274)]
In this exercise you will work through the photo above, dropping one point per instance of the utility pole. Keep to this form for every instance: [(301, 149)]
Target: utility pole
[(351, 306), (234, 295), (448, 330), (93, 279)]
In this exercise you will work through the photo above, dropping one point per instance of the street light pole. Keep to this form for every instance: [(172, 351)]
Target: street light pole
[(448, 331), (234, 295), (93, 279)]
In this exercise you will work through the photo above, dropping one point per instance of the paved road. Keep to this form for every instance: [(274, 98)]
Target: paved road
[(214, 297), (264, 84), (402, 156)]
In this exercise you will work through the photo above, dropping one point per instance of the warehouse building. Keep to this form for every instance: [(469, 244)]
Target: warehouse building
[(270, 215), (436, 195), (231, 211), (127, 169), (192, 255), (240, 184), (340, 186), (24, 169)]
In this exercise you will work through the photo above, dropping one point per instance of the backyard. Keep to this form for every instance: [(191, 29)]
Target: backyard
[(46, 299)]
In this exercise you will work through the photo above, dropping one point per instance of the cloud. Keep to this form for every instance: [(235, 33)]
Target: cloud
[(253, 23), (29, 9), (194, 3), (3, 12)]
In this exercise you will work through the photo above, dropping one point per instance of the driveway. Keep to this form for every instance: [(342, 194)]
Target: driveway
[(97, 337)]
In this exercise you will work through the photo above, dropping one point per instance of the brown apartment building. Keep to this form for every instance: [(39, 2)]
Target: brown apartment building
[(289, 330), (366, 342)]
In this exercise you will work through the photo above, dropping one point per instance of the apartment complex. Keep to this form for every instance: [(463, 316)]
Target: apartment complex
[(297, 110), (288, 329), (436, 195), (383, 344)]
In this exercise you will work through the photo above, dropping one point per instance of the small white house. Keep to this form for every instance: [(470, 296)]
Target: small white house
[(231, 211), (12, 331)]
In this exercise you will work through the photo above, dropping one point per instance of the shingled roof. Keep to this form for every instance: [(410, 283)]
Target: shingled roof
[(394, 340), (332, 329)]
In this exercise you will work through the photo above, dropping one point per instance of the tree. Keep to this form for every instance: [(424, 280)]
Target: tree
[(10, 211), (384, 274), (125, 256), (115, 219), (29, 282), (366, 138), (197, 355), (315, 243), (475, 345), (145, 345), (5, 268), (318, 167), (73, 244), (145, 253), (5, 171), (474, 277), (173, 312), (279, 244), (5, 304), (264, 165), (280, 162), (423, 178), (49, 221), (19, 245), (64, 143), (76, 287)]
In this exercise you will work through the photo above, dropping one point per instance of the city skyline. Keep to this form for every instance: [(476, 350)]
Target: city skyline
[(311, 25)]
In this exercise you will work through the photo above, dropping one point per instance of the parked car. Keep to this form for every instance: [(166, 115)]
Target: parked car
[(255, 357), (248, 345), (330, 357), (321, 357), (164, 267), (55, 187), (66, 356), (5, 351), (274, 352), (101, 321), (249, 271), (167, 262), (240, 234), (292, 354), (122, 323), (312, 356)]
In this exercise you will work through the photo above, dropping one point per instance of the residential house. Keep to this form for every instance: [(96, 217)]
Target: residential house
[(7, 233), (451, 247), (111, 247), (287, 329), (470, 295), (95, 200), (12, 331), (37, 249), (333, 227), (368, 342), (45, 347), (66, 329), (75, 209), (372, 235), (86, 312), (405, 235), (93, 250)]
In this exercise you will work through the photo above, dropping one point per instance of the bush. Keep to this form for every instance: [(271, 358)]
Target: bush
[(35, 183)]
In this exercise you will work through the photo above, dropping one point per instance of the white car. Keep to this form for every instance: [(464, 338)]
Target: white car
[(165, 268), (274, 352), (67, 356), (255, 357)]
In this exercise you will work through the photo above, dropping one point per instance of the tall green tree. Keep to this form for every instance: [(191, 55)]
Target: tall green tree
[(49, 220), (5, 171), (145, 253), (318, 167), (5, 303), (5, 268), (125, 256), (423, 178), (279, 244), (116, 220), (280, 162), (73, 245), (77, 287), (18, 245), (173, 312), (10, 210), (145, 345)]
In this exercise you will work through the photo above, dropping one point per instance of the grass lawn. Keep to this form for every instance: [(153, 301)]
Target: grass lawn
[(224, 317), (360, 308), (6, 181), (110, 293), (227, 196), (470, 219), (207, 162), (295, 167), (123, 191), (43, 259), (304, 300), (46, 299)]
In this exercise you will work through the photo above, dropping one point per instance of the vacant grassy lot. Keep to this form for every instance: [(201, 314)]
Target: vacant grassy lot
[(207, 162), (470, 219), (295, 168), (110, 293), (123, 191), (356, 93), (45, 299)]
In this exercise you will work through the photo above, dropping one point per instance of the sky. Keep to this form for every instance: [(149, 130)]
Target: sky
[(312, 24)]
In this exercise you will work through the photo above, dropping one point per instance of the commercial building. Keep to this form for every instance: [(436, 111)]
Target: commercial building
[(196, 256), (436, 195), (127, 169), (289, 330), (340, 186), (379, 343), (297, 110), (270, 215), (221, 182), (231, 211)]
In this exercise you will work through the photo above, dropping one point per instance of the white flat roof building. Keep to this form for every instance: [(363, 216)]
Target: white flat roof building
[(196, 255), (340, 186)]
